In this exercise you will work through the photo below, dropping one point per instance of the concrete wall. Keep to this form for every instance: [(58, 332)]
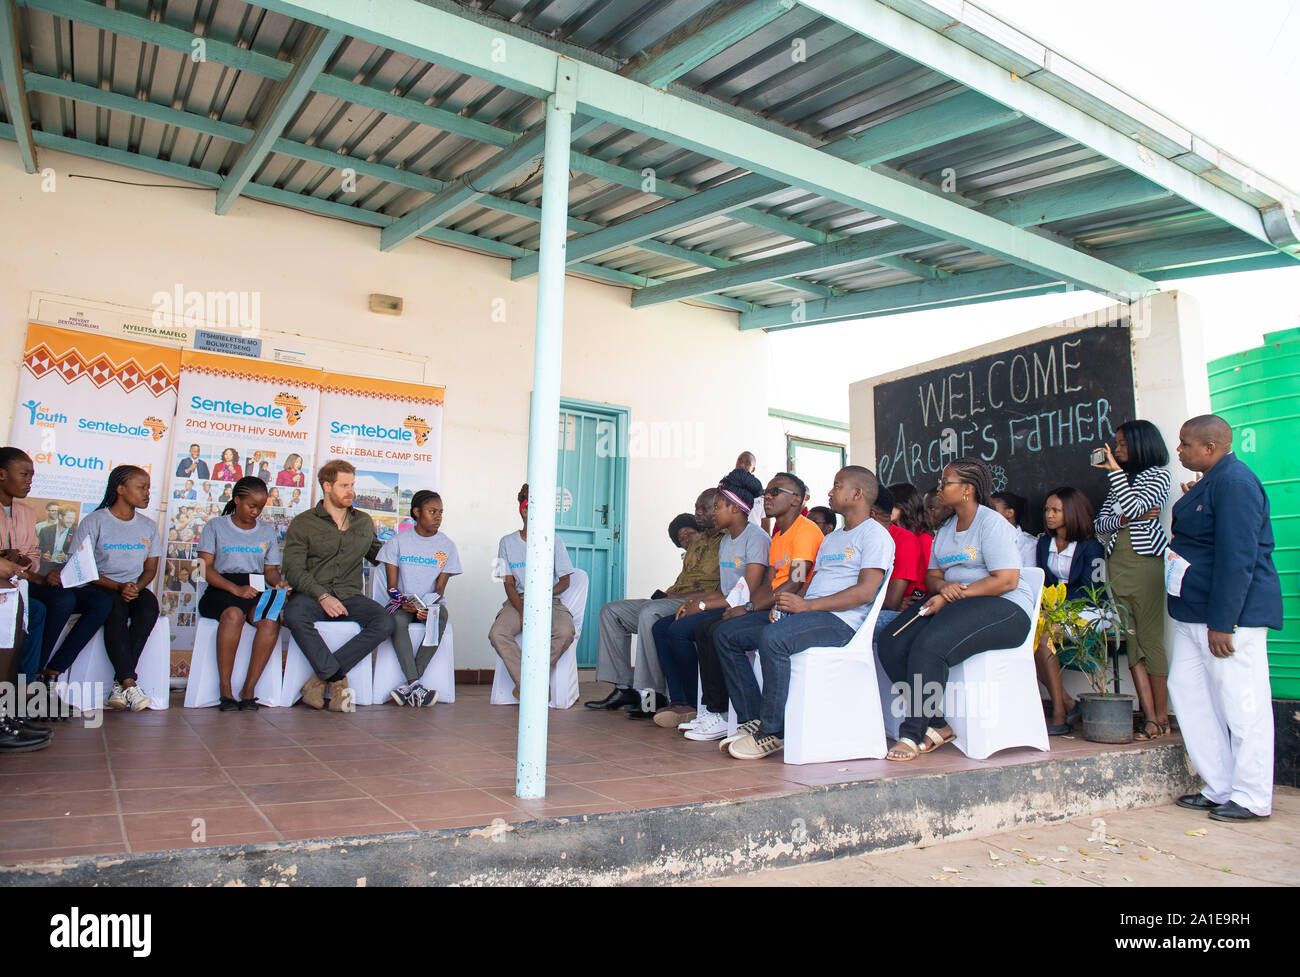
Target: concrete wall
[(674, 364)]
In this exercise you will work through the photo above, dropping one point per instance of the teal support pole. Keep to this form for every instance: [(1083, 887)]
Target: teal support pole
[(543, 440)]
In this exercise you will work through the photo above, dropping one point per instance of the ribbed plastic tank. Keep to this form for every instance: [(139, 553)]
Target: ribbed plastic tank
[(1258, 392)]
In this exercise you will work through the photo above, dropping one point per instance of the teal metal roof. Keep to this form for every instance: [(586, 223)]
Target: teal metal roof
[(794, 162)]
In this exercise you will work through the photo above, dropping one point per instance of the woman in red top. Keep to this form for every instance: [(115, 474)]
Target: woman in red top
[(228, 469), (910, 514), (291, 474)]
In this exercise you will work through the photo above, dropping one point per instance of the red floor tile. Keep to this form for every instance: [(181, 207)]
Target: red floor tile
[(140, 779), (323, 817), (447, 803), (197, 800), (70, 803), (172, 826), (301, 790)]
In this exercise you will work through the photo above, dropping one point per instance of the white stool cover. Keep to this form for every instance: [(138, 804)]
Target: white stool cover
[(992, 700), (833, 711), (203, 687), (564, 673), (440, 675), (297, 670), (153, 671)]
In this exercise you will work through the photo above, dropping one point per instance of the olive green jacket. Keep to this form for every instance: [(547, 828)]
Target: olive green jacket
[(319, 559)]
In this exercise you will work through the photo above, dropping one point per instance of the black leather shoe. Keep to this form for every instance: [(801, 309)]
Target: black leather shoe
[(13, 740), (616, 700), (1233, 812), (1196, 802), (29, 728), (638, 713), (227, 704)]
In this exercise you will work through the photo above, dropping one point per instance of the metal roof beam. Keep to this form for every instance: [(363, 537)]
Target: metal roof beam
[(1035, 206), (11, 77), (265, 66), (459, 43), (328, 208), (297, 87), (927, 127), (1006, 281), (699, 39), (928, 47)]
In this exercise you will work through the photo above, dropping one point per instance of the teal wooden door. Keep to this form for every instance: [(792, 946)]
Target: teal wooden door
[(590, 505)]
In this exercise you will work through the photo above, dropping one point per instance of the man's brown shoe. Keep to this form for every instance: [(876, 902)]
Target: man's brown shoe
[(313, 693), (340, 696)]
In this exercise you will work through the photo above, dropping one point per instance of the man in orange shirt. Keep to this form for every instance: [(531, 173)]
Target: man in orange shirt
[(795, 539)]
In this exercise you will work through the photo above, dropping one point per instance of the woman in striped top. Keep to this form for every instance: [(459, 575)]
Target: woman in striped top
[(1129, 522)]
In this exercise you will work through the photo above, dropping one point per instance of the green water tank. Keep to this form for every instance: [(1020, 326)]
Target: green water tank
[(1258, 392)]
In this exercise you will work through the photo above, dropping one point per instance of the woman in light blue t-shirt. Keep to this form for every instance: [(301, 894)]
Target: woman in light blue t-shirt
[(978, 603)]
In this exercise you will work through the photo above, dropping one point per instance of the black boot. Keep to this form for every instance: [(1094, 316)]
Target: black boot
[(14, 739), (617, 699)]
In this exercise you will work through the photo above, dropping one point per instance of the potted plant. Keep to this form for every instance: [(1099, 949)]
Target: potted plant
[(1084, 630)]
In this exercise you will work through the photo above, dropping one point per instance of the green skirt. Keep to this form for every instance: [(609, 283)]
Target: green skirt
[(1138, 582)]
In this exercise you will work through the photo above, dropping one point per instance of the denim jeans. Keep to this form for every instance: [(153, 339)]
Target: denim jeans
[(93, 603), (29, 661), (742, 632), (775, 644), (675, 642), (59, 606)]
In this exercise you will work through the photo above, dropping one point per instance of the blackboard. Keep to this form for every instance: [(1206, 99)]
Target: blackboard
[(1034, 414)]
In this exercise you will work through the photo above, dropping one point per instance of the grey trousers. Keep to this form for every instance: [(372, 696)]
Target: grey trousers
[(412, 662), (619, 620)]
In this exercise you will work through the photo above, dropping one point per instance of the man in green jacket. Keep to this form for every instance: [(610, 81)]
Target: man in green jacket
[(322, 556)]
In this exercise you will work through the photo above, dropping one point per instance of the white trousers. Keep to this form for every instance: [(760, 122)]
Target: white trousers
[(1225, 712)]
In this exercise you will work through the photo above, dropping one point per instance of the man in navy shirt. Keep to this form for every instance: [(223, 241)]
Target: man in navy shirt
[(1223, 598)]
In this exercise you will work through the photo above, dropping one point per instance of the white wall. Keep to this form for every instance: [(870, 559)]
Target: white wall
[(673, 364)]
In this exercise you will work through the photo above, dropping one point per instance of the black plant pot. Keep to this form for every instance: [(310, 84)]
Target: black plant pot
[(1107, 718)]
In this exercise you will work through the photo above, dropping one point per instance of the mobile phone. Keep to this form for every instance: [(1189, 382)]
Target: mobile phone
[(1098, 456)]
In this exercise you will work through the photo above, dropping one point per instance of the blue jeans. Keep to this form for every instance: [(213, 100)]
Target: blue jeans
[(742, 632), (29, 662), (59, 606), (882, 621), (94, 604), (675, 642), (775, 644)]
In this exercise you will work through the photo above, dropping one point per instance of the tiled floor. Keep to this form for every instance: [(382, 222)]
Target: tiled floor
[(188, 778)]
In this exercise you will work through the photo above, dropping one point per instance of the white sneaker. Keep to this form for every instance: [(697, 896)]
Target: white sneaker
[(699, 718), (135, 699), (714, 727), (118, 699)]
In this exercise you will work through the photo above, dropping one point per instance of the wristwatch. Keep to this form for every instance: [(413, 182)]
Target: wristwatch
[(702, 606), (749, 607)]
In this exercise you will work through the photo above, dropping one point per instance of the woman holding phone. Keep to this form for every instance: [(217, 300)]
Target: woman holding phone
[(1129, 522), (232, 547)]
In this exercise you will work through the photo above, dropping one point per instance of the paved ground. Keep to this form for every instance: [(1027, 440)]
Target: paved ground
[(1164, 845)]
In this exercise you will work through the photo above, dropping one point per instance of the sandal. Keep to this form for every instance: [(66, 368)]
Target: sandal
[(1144, 733), (933, 739), (228, 704), (911, 751), (248, 705)]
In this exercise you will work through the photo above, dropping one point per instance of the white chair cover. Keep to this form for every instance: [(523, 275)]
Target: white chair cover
[(89, 680), (203, 687), (564, 673), (992, 701), (440, 675), (297, 670), (833, 710)]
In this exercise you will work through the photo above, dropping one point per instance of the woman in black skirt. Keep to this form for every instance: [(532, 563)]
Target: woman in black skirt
[(233, 546)]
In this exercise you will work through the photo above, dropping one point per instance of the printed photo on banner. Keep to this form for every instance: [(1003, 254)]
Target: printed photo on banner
[(56, 521)]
